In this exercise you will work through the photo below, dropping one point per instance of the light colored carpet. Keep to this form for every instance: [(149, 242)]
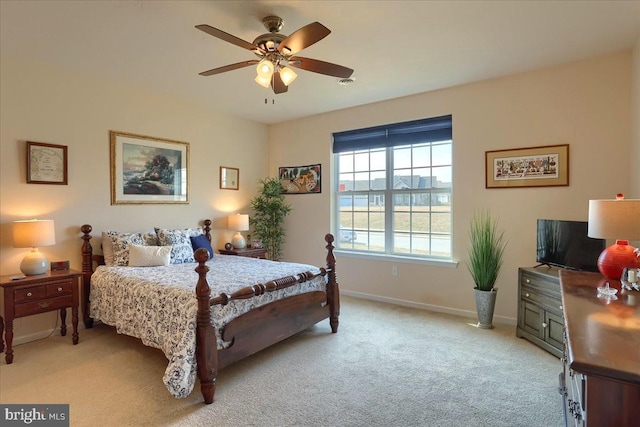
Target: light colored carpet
[(387, 366)]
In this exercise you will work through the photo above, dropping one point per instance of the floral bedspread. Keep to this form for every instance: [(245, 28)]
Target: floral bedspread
[(159, 305)]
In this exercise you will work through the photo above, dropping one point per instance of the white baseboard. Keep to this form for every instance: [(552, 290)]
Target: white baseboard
[(22, 339), (429, 307)]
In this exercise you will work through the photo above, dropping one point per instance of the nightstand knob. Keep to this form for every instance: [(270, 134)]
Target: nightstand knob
[(528, 281), (544, 324), (527, 295), (59, 289), (29, 294), (560, 307)]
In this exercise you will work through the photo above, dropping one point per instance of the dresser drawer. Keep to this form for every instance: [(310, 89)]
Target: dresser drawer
[(545, 300), (43, 305), (541, 284)]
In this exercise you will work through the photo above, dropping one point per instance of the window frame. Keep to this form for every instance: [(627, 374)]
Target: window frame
[(390, 193)]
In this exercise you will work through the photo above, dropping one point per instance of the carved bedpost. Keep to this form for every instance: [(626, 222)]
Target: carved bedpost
[(207, 229), (87, 271), (333, 294), (206, 342)]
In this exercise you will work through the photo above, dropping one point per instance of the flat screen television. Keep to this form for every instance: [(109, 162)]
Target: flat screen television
[(566, 244)]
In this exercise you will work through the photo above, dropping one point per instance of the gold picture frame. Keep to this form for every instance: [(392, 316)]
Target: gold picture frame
[(46, 163), (229, 178), (544, 166), (146, 169)]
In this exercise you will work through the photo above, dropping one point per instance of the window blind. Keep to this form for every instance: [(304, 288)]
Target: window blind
[(423, 130)]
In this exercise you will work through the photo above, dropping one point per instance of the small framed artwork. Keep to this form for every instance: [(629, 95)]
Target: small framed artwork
[(544, 166), (145, 169), (300, 179), (46, 163), (229, 178), (256, 243)]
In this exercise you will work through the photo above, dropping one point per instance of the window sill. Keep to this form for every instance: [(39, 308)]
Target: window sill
[(397, 258)]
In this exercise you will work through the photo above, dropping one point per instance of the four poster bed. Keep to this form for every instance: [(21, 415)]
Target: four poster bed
[(205, 311)]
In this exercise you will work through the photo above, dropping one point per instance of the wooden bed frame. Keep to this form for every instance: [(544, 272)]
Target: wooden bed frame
[(250, 332)]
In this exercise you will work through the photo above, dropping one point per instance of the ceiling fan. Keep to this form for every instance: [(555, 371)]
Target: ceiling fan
[(276, 53)]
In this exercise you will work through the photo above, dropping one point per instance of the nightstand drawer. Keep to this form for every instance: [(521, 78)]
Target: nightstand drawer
[(30, 294), (63, 287), (43, 305)]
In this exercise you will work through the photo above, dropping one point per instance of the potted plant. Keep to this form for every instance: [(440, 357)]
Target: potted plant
[(270, 210), (486, 251)]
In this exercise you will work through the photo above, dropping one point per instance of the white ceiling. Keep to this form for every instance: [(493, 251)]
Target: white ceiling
[(396, 48)]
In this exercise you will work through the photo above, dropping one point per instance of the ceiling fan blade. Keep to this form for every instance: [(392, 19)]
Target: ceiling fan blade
[(321, 67), (302, 38), (226, 37), (229, 67), (277, 85)]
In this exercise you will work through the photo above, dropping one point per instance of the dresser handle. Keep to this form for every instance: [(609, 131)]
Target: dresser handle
[(59, 289), (526, 295), (29, 294), (560, 307), (544, 324), (528, 281), (44, 304)]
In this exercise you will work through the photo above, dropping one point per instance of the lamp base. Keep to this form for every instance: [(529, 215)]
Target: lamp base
[(238, 241), (615, 258), (34, 263)]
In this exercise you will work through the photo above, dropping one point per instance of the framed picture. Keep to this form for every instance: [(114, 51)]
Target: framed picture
[(300, 179), (256, 243), (229, 178), (544, 166), (46, 163), (145, 169)]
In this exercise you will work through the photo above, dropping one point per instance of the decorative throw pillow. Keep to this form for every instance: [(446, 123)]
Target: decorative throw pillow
[(149, 256), (180, 240), (107, 249), (201, 241), (120, 243)]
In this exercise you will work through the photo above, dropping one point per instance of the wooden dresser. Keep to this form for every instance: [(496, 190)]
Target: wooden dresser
[(601, 378)]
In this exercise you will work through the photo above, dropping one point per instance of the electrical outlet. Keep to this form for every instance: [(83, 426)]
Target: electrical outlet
[(394, 271)]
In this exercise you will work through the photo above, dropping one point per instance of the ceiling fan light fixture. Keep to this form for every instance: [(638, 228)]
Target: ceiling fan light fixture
[(264, 82), (287, 75), (265, 69)]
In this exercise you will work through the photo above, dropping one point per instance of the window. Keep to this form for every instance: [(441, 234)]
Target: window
[(395, 189)]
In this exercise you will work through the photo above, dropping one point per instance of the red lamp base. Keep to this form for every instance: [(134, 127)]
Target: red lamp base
[(615, 258)]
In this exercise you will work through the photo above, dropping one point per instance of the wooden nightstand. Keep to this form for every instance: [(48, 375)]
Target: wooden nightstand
[(248, 252), (39, 294)]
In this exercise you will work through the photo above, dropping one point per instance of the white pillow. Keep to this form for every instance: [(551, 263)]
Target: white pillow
[(107, 249), (149, 256)]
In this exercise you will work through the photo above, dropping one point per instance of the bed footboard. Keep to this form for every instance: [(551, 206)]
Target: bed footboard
[(263, 326)]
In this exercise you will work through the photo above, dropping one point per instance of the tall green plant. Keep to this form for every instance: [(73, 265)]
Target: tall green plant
[(486, 250), (270, 210)]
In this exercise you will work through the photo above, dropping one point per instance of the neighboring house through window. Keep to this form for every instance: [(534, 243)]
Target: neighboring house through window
[(395, 189)]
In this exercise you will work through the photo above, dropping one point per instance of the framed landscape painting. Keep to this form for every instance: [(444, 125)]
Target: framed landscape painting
[(145, 169), (544, 166)]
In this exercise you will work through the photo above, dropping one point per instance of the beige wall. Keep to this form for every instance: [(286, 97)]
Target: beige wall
[(634, 158), (585, 104), (47, 105)]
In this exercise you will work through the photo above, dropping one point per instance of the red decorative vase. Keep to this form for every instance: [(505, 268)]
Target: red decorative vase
[(615, 258)]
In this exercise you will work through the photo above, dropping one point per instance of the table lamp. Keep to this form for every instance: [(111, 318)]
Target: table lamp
[(238, 223), (33, 234), (615, 219)]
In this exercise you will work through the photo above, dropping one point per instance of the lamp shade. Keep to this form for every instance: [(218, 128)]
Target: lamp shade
[(615, 219), (34, 233), (239, 222)]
